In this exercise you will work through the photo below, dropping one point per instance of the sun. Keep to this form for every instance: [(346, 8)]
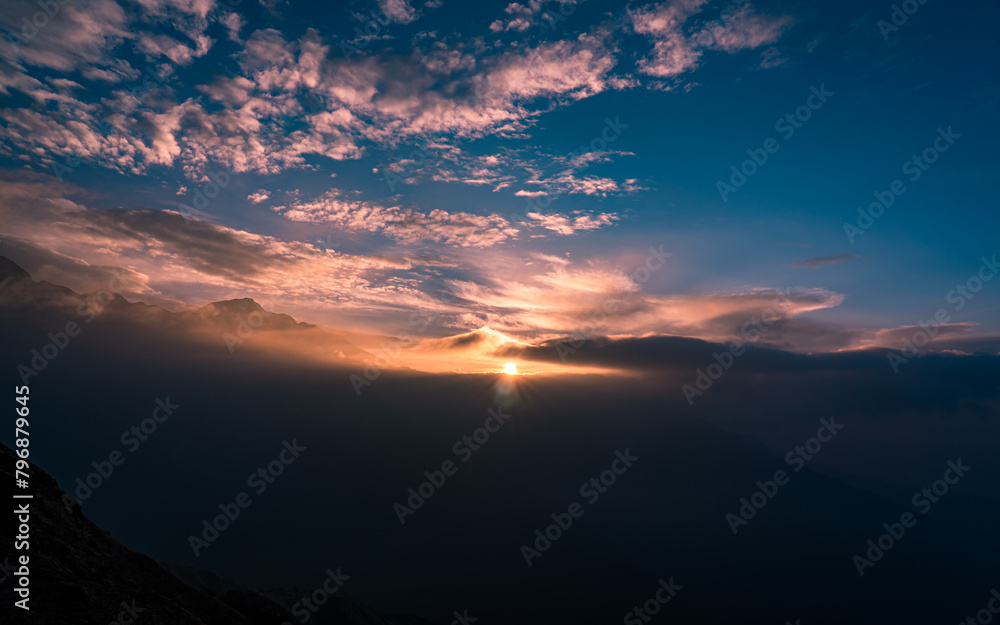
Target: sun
[(510, 368)]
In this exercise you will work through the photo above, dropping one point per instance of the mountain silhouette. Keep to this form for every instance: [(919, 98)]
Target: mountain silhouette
[(665, 518), (231, 325)]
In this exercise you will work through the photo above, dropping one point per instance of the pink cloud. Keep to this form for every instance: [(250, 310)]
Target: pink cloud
[(199, 262), (398, 11), (566, 224), (672, 54), (675, 52), (744, 30), (259, 196), (403, 224), (257, 121)]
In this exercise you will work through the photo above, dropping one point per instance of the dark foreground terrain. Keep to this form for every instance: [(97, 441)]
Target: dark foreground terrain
[(80, 575), (335, 506)]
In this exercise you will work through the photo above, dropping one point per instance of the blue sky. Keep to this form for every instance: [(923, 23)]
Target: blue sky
[(503, 105)]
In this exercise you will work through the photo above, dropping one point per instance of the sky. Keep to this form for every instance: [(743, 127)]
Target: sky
[(541, 168), (622, 202)]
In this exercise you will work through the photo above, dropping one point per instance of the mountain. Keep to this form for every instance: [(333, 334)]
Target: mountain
[(19, 293), (11, 272), (366, 450), (223, 328)]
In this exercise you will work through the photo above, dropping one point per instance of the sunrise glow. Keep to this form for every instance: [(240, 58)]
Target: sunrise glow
[(538, 292)]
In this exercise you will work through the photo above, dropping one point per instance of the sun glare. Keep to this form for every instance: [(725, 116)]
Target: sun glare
[(510, 368)]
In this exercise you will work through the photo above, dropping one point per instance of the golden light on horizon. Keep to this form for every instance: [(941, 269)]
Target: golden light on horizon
[(510, 368)]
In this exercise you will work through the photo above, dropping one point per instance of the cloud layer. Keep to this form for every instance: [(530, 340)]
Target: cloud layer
[(290, 98)]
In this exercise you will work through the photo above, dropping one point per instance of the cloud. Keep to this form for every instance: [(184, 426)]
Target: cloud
[(672, 53), (233, 22), (404, 224), (772, 57), (820, 261), (837, 381), (130, 132), (197, 262), (542, 173), (274, 7), (79, 35), (895, 338), (155, 45), (675, 52), (561, 174), (548, 296), (535, 297), (265, 119), (265, 116), (565, 224), (259, 196), (398, 11), (518, 24), (742, 30), (522, 15), (575, 69), (569, 182)]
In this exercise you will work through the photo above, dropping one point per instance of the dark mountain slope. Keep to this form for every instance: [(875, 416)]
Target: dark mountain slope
[(81, 576)]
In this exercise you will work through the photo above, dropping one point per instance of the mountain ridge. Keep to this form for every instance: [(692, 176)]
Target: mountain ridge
[(235, 324)]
